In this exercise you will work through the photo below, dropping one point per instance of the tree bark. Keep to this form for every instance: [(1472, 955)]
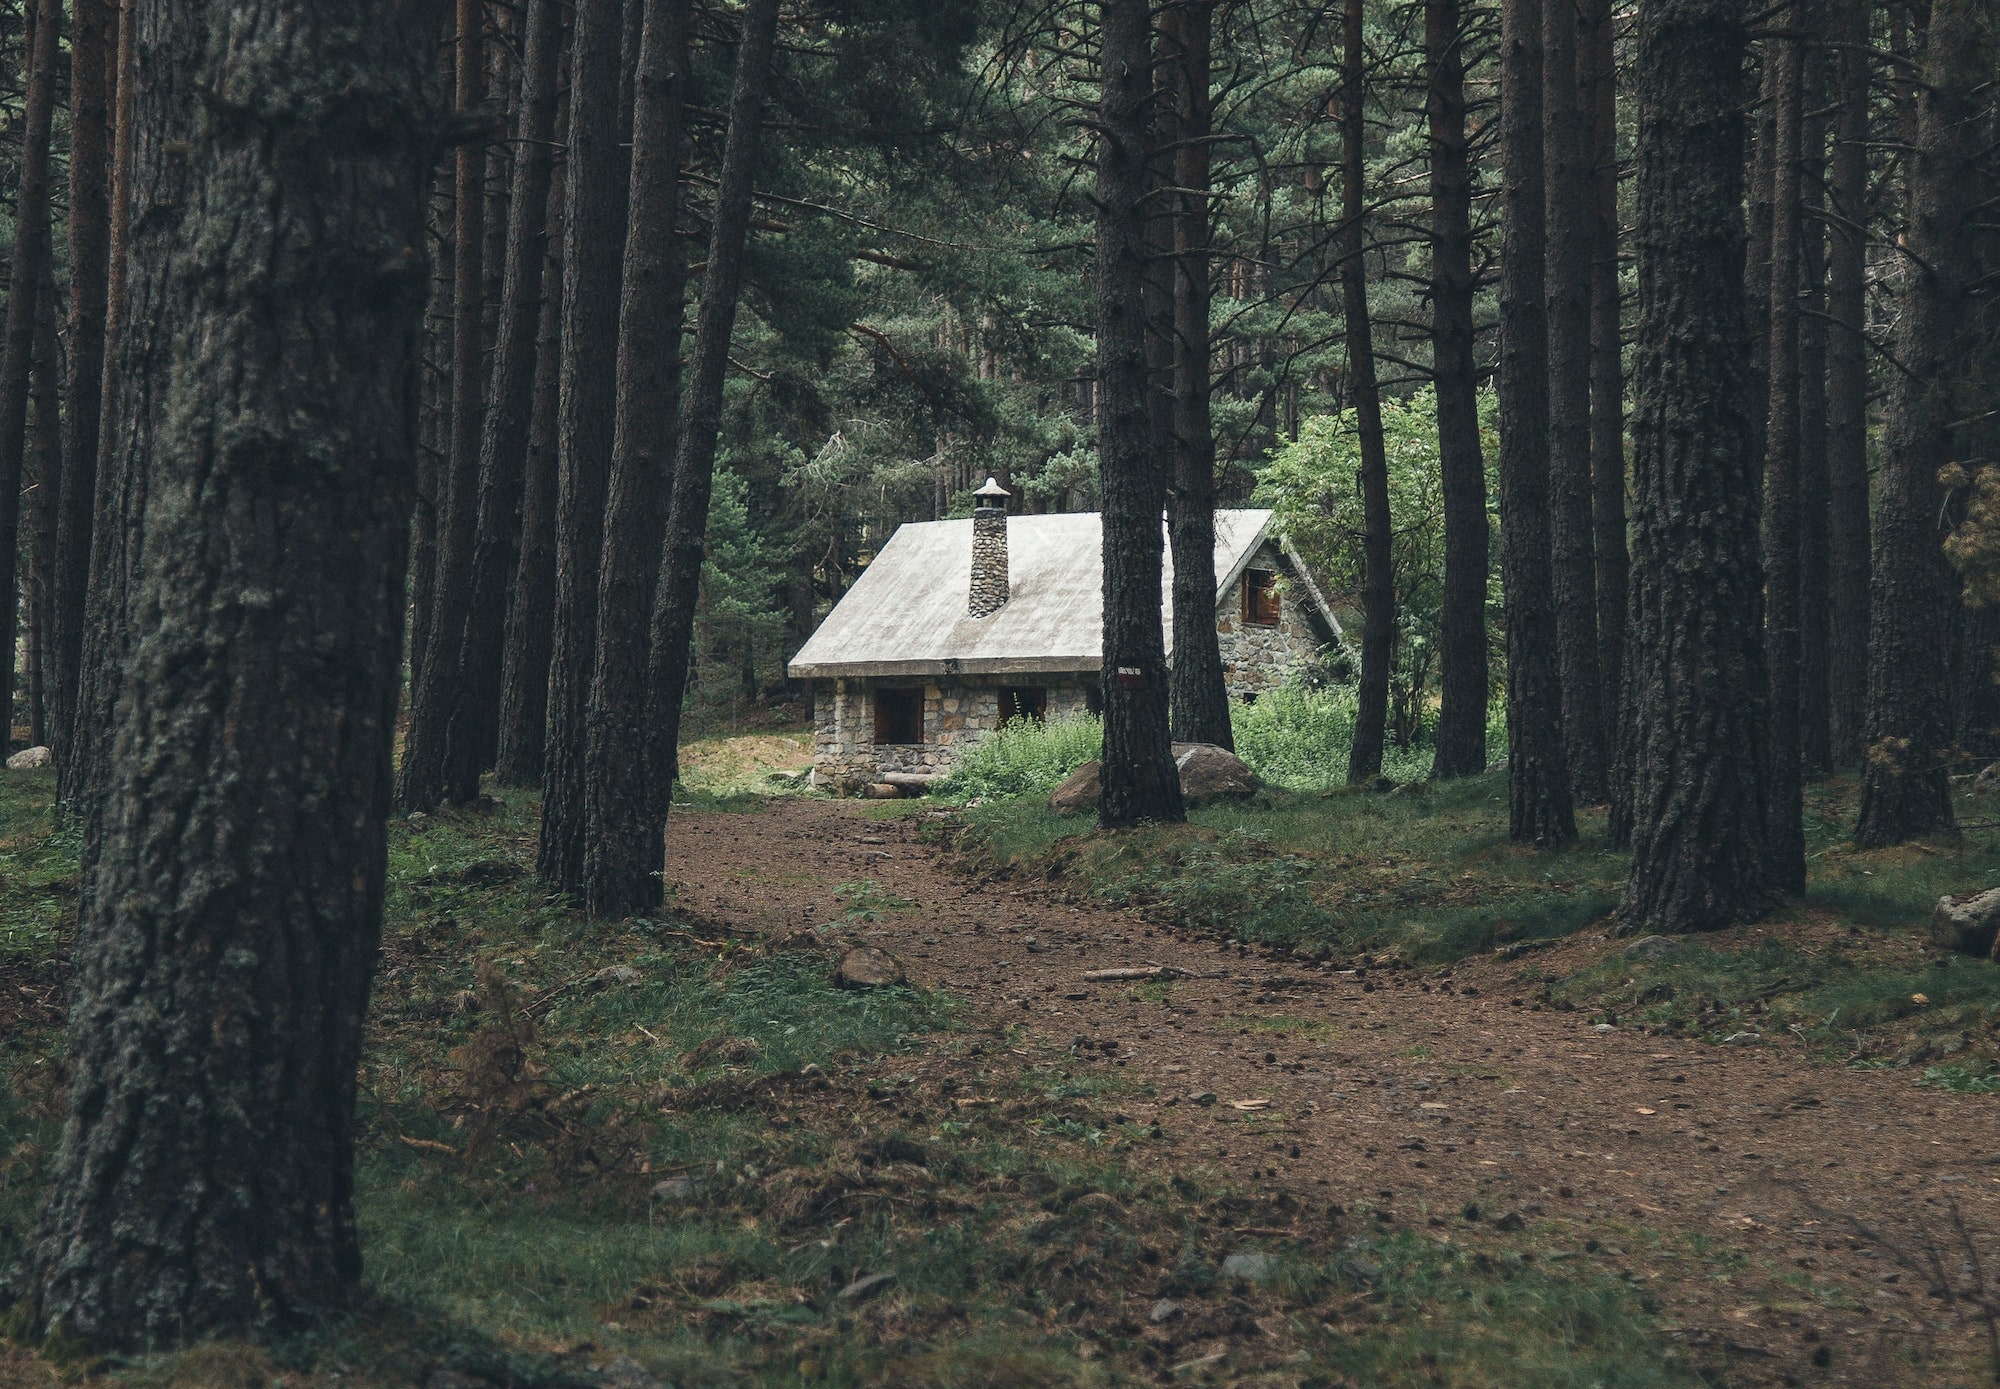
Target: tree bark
[(1905, 791), (1847, 396), (92, 49), (1139, 778), (204, 1185), (472, 732), (530, 642), (1785, 835), (626, 847), (1757, 260), (17, 348), (1698, 689), (1463, 677), (593, 235), (45, 453), (1607, 404), (81, 774), (1569, 200), (1815, 611), (1540, 808), (434, 410), (1378, 590), (1199, 696), (420, 777), (679, 588)]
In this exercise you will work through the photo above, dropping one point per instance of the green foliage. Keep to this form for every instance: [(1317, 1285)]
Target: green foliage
[(740, 613), (1299, 739), (1025, 757), (1313, 483)]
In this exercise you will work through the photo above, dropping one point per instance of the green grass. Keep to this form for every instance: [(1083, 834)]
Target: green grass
[(1426, 872), (1024, 757)]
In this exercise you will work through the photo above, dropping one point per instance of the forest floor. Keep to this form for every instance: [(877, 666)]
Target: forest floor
[(1404, 1114)]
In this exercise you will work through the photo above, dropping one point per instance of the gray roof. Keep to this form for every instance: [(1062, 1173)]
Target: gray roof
[(906, 614)]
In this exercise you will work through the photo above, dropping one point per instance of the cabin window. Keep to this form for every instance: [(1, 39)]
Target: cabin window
[(1093, 699), (1018, 702), (899, 716), (1260, 597)]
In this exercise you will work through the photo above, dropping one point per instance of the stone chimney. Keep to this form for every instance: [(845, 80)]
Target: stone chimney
[(989, 550)]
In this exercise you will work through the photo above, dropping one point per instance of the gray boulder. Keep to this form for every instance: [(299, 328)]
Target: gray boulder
[(1988, 780), (866, 967), (1079, 791), (31, 757), (1652, 948), (1212, 773), (1967, 924)]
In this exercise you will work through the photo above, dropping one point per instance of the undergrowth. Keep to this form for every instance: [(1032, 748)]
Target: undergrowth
[(651, 1140)]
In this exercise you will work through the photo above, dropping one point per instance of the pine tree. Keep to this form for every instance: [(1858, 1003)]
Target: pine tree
[(1697, 686), (205, 1181)]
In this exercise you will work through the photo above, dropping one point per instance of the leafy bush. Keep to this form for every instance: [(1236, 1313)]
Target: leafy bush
[(1026, 758), (1299, 739)]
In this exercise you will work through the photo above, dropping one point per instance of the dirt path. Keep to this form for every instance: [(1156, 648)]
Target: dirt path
[(1414, 1100)]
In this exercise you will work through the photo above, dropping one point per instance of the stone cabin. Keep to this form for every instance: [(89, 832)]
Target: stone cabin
[(958, 626)]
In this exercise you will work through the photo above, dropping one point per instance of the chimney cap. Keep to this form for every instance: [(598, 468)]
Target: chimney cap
[(993, 490)]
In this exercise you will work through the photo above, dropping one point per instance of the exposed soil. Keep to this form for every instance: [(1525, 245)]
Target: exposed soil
[(1771, 1204)]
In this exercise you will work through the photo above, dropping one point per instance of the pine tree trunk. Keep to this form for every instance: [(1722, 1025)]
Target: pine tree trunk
[(81, 774), (1785, 836), (1815, 613), (593, 238), (1698, 688), (420, 774), (205, 1181), (17, 348), (1607, 404), (625, 850), (1569, 200), (1378, 591), (1463, 677), (1199, 698), (92, 52), (1139, 778), (434, 410), (1540, 808), (46, 458), (530, 643), (472, 732), (679, 587), (1757, 259), (1905, 791), (1847, 396)]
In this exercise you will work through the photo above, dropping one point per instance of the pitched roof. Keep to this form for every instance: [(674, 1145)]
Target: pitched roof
[(906, 614)]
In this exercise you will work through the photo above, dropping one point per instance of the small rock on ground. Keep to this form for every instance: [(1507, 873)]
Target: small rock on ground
[(1249, 1266), (866, 967), (1652, 948), (1166, 1309), (31, 757), (1967, 924), (627, 1373)]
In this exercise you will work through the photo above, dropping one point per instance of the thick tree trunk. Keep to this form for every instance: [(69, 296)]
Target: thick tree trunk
[(205, 1180), (1139, 778), (434, 411), (1847, 396), (1569, 199), (420, 775), (1757, 260), (593, 237), (1785, 835), (92, 49), (1815, 612), (1463, 677), (1598, 59), (679, 588), (1378, 589), (530, 643), (1199, 697), (81, 774), (1697, 690), (1905, 791), (472, 732), (626, 848), (17, 348), (1540, 809)]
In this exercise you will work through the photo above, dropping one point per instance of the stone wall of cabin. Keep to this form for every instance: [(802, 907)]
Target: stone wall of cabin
[(958, 711), (1256, 658)]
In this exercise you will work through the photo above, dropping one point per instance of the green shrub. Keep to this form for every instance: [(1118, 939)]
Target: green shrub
[(1026, 758), (1299, 739)]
